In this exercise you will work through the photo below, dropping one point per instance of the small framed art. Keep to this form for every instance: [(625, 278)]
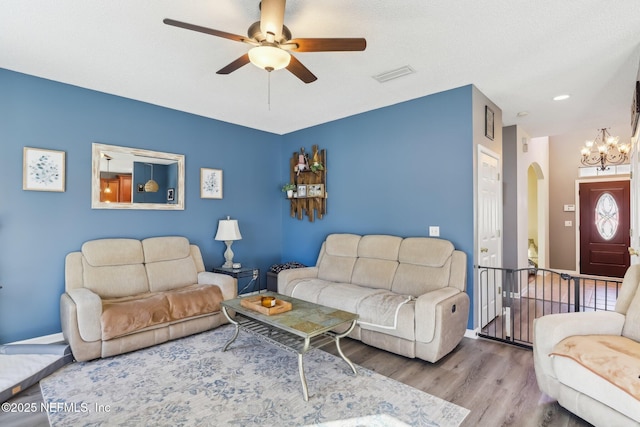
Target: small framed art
[(488, 122), (315, 190), (210, 183), (302, 191), (43, 170)]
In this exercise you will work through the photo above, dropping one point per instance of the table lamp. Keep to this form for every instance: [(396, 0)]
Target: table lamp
[(228, 231)]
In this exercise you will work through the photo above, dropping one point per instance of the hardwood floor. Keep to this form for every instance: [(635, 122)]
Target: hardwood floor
[(495, 381)]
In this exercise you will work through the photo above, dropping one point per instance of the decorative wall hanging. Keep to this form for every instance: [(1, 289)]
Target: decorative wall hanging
[(488, 122), (43, 170), (210, 183), (309, 176)]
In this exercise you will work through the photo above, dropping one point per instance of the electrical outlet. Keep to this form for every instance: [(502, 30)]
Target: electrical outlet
[(434, 231)]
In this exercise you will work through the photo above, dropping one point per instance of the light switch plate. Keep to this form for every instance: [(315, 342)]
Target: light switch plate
[(434, 231)]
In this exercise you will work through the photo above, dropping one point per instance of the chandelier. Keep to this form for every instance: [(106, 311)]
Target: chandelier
[(604, 150)]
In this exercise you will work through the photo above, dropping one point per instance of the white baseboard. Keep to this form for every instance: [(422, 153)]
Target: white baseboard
[(471, 333), (47, 339)]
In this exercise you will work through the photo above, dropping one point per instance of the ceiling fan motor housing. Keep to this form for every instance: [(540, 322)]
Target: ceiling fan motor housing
[(256, 34)]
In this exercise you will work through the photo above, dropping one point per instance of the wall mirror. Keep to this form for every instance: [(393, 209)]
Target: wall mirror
[(132, 178)]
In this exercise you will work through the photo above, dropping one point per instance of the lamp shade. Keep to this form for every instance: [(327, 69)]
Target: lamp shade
[(269, 57), (228, 230)]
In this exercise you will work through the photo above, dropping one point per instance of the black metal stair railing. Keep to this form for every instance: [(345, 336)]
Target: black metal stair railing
[(510, 299)]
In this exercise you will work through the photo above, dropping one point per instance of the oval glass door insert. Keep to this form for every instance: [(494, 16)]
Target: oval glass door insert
[(607, 219)]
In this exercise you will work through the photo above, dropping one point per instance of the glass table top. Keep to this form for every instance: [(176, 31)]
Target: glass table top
[(305, 319)]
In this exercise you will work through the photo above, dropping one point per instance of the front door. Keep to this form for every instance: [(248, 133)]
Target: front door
[(604, 228)]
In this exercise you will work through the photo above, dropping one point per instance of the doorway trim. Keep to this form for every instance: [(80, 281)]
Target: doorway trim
[(610, 178)]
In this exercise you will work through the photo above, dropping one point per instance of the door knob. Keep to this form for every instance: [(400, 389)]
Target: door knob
[(633, 251), (484, 249)]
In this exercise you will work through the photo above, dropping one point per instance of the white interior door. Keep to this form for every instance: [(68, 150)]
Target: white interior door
[(489, 251)]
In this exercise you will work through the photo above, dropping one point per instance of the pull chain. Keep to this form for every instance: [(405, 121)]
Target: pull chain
[(269, 70)]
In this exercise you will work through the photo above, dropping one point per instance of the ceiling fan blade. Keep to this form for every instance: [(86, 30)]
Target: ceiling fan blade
[(206, 30), (326, 45), (272, 17), (300, 71), (243, 60)]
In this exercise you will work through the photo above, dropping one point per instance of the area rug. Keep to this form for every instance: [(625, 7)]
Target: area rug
[(191, 382)]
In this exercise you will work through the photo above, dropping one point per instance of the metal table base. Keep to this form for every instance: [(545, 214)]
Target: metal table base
[(288, 341)]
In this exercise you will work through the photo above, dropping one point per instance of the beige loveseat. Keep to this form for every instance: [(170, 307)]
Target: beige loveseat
[(590, 361), (409, 292), (126, 294)]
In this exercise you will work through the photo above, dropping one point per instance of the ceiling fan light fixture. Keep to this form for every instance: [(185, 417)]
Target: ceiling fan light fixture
[(269, 57)]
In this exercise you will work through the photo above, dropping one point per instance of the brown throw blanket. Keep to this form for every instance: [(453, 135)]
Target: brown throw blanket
[(614, 358), (123, 316)]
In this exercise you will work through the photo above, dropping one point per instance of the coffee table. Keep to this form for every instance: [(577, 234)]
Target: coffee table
[(305, 327)]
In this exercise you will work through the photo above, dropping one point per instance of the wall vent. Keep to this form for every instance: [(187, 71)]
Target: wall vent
[(394, 74)]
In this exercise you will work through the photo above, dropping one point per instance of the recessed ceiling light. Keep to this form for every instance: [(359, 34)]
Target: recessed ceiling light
[(522, 113), (561, 97)]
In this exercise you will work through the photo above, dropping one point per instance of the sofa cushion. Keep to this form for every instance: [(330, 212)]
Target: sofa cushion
[(169, 263), (425, 265), (379, 247), (114, 268), (165, 248), (425, 251), (193, 301), (339, 257), (377, 261), (381, 309), (168, 275), (614, 358), (115, 281), (374, 273), (109, 252), (123, 316), (584, 363), (631, 327), (126, 315)]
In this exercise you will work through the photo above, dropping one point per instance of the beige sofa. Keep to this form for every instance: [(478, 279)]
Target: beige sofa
[(590, 361), (126, 294), (409, 292)]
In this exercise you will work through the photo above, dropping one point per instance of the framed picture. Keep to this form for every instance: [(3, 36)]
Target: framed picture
[(488, 122), (171, 194), (315, 190), (635, 108), (210, 183), (43, 170), (302, 191)]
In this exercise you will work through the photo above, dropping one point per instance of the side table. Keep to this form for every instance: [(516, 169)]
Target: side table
[(251, 273)]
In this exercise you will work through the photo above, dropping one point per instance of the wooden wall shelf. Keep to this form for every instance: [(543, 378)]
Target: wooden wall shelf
[(311, 185)]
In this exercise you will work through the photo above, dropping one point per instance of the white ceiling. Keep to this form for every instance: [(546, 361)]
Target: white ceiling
[(520, 53)]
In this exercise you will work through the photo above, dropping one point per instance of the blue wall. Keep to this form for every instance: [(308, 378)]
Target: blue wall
[(396, 170), (37, 229)]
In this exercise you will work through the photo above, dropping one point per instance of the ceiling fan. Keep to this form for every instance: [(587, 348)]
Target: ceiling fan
[(272, 43)]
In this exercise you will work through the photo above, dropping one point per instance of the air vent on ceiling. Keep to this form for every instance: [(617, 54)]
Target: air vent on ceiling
[(394, 74)]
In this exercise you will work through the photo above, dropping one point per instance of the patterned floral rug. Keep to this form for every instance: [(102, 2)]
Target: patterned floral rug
[(191, 382)]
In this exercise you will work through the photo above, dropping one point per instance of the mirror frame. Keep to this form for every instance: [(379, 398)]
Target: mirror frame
[(97, 148)]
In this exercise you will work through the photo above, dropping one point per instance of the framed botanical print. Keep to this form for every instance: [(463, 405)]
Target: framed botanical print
[(210, 183), (43, 170)]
